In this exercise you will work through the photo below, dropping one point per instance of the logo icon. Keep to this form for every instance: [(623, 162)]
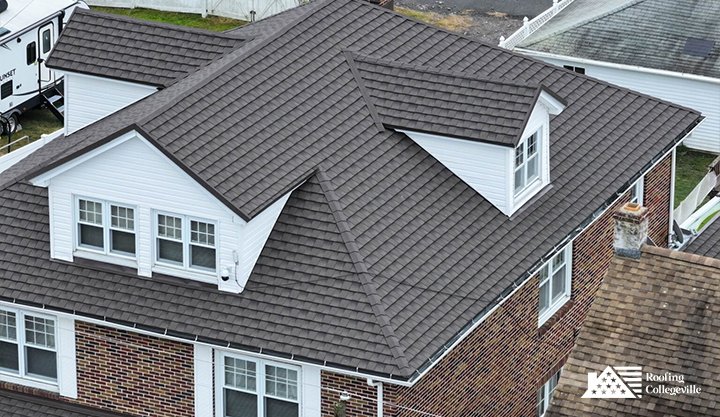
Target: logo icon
[(615, 382)]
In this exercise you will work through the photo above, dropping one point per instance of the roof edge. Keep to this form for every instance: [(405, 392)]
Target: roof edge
[(681, 256)]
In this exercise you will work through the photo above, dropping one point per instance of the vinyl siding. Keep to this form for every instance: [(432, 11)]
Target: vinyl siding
[(88, 98), (698, 95)]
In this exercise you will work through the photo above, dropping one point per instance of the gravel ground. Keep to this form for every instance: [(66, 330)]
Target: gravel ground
[(487, 19)]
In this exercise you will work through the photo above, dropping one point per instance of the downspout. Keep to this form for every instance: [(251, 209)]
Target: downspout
[(380, 400), (672, 239)]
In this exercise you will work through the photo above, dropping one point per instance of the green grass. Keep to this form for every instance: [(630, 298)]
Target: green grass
[(691, 167), (34, 123), (214, 23)]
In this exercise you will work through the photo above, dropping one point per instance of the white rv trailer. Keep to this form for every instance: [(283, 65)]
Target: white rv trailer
[(28, 31)]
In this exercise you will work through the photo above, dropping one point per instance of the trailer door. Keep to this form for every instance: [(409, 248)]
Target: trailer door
[(46, 35)]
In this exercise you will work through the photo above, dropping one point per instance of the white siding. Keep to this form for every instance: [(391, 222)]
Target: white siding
[(131, 171), (203, 364), (88, 99), (67, 362), (311, 391), (482, 166), (698, 95)]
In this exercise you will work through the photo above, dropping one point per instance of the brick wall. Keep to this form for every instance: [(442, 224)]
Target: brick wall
[(363, 401), (133, 374), (498, 368)]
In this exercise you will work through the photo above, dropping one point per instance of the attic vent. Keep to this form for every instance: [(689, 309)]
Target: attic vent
[(698, 47)]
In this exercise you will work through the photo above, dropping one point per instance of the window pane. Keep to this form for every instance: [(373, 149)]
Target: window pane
[(532, 168), (280, 408), (544, 296), (203, 233), (519, 155), (9, 356), (541, 401), (40, 332), (31, 52), (558, 260), (169, 227), (8, 326), (122, 241), (532, 145), (240, 374), (240, 404), (90, 212), (170, 251), (520, 179), (46, 41), (122, 218), (202, 257), (41, 362), (91, 236), (281, 382), (558, 283)]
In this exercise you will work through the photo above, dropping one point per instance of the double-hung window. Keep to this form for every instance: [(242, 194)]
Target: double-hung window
[(256, 388), (555, 283), (28, 346), (527, 162), (186, 242), (637, 191), (544, 394), (105, 227)]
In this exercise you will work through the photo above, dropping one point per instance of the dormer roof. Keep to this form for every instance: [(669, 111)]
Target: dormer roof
[(447, 102)]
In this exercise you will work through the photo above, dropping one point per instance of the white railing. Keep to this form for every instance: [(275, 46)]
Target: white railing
[(530, 26), (237, 9), (14, 154)]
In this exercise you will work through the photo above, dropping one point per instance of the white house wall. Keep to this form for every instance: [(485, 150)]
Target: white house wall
[(88, 98), (698, 95)]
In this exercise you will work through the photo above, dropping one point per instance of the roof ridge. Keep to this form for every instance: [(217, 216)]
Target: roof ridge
[(361, 268), (155, 24), (681, 256)]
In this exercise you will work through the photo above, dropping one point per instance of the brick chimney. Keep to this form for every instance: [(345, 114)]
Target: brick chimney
[(631, 230)]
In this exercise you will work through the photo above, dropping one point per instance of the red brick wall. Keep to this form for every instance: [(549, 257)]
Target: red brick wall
[(134, 374), (498, 368), (363, 401)]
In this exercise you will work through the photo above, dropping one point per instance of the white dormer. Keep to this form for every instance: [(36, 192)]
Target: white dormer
[(508, 177), (126, 203)]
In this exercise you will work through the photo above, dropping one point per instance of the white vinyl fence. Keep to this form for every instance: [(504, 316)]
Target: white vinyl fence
[(237, 9)]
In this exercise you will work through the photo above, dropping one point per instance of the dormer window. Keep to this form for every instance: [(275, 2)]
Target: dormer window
[(106, 227), (526, 163), (176, 247)]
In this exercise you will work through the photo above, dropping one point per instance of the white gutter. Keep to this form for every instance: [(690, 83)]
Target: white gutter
[(380, 400), (636, 68)]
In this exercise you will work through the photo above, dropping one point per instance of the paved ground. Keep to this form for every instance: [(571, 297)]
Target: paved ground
[(486, 20)]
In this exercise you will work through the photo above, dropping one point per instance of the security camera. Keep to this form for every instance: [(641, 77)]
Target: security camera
[(225, 274)]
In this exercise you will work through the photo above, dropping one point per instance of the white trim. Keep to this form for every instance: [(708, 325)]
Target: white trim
[(186, 269), (106, 254), (606, 64), (67, 360), (553, 105), (203, 371)]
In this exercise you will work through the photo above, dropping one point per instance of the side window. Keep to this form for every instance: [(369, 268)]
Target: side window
[(637, 191), (186, 242), (31, 53), (28, 345), (46, 44), (6, 90), (526, 162), (106, 227), (555, 283), (545, 393)]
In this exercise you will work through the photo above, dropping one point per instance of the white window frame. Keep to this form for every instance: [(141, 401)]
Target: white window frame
[(107, 228), (530, 183), (260, 389), (554, 306), (637, 191), (21, 377), (547, 390), (185, 224)]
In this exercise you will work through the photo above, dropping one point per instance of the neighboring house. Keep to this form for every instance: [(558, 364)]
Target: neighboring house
[(657, 310), (334, 203), (666, 48)]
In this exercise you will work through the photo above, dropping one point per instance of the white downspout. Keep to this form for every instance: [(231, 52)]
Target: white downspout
[(671, 233), (380, 400)]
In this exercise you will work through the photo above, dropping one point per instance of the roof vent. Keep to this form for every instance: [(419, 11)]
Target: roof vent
[(3, 5)]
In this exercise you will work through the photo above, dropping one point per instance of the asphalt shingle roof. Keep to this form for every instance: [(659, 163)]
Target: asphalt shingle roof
[(127, 49), (660, 312), (417, 254), (645, 33), (14, 404), (708, 243), (424, 99)]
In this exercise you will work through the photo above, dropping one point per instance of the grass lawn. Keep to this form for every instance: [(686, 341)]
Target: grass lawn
[(214, 23), (691, 167), (34, 123)]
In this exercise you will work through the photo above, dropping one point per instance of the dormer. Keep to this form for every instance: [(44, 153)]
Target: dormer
[(127, 204), (492, 134)]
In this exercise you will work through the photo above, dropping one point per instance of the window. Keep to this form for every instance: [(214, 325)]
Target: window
[(579, 70), (31, 53), (106, 227), (255, 388), (46, 44), (28, 346), (527, 162), (544, 394), (193, 250), (637, 191), (555, 283), (6, 90)]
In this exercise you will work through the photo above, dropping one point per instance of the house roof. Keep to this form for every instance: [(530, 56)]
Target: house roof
[(415, 254), (15, 404), (133, 50), (708, 243), (425, 99), (678, 36), (660, 312)]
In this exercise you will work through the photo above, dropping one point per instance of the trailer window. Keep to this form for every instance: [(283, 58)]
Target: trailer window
[(46, 41), (6, 90), (31, 53)]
